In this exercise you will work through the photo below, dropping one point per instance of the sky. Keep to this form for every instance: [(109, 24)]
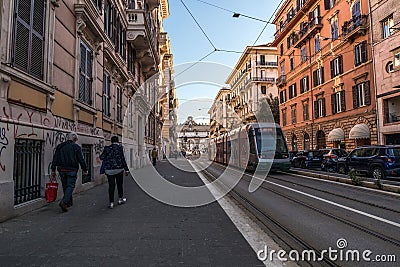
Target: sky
[(189, 44)]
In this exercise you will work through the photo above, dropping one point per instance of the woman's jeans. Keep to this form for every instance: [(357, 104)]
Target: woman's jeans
[(119, 178), (68, 180)]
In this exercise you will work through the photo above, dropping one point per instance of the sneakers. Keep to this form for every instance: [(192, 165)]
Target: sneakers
[(111, 206), (63, 206), (121, 201)]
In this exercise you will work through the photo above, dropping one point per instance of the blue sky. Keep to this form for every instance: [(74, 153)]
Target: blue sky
[(189, 44)]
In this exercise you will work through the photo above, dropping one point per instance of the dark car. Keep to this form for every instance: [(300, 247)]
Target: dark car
[(291, 155), (377, 161), (330, 158), (307, 159)]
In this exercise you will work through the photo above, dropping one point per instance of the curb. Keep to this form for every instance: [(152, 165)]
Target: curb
[(388, 188)]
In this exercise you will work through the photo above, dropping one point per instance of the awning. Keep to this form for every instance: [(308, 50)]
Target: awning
[(336, 134), (360, 131)]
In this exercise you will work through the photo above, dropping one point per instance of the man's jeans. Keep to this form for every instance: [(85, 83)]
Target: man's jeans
[(68, 180)]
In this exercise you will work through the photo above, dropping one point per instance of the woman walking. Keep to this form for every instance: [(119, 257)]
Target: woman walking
[(115, 166)]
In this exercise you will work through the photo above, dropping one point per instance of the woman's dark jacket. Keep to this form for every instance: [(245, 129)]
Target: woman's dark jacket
[(114, 157)]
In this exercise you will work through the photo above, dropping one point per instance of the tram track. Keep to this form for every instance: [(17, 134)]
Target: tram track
[(267, 220)]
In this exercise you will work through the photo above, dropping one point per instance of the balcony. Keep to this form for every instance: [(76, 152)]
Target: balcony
[(263, 79), (308, 30), (355, 27), (144, 36), (281, 81), (164, 42), (268, 64)]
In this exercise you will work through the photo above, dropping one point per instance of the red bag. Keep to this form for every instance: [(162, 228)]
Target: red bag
[(51, 190)]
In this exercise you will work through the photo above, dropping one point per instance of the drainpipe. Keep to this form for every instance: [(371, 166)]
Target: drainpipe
[(312, 98), (374, 71)]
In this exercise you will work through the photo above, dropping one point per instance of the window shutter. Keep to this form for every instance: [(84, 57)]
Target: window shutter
[(323, 107), (327, 4), (332, 68), (367, 93), (295, 89), (322, 75), (355, 98), (301, 86), (333, 103), (306, 84), (316, 109), (341, 64), (343, 100), (364, 52), (315, 78)]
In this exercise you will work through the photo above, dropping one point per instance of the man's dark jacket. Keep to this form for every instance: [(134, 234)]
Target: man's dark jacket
[(68, 157)]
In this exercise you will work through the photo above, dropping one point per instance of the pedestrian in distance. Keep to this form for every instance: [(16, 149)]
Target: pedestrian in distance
[(115, 167), (154, 155), (67, 158)]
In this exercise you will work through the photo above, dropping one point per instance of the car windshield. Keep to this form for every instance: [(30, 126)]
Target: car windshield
[(314, 154)]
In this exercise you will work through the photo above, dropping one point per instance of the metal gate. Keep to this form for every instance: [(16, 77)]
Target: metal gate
[(27, 170), (87, 155)]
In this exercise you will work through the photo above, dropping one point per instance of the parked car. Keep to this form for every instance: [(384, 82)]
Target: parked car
[(330, 158), (291, 155), (377, 161), (307, 159)]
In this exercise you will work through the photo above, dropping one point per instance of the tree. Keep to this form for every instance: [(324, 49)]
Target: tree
[(264, 115), (273, 103)]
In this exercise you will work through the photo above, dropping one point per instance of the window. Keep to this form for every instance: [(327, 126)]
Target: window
[(334, 28), (131, 60), (361, 95), (356, 13), (337, 66), (98, 4), (317, 43), (387, 25), (300, 4), (87, 156), (328, 4), (319, 107), (291, 39), (292, 91), (360, 52), (291, 61), (282, 96), (284, 122), (283, 68), (130, 113), (338, 102), (303, 54), (389, 67), (28, 43), (290, 14), (85, 77), (313, 16), (397, 59), (318, 76), (281, 50), (304, 85), (294, 114), (305, 111), (262, 59), (263, 89), (106, 95), (119, 104)]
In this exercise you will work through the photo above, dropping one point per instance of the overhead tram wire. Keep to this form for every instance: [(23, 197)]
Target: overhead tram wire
[(195, 63)]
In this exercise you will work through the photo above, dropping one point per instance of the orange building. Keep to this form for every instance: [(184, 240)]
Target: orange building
[(326, 81)]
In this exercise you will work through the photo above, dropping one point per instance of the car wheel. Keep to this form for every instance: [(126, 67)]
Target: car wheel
[(377, 173), (303, 165), (342, 169)]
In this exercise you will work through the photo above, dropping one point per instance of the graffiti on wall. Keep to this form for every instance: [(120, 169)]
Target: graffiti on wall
[(98, 147), (55, 137), (3, 145)]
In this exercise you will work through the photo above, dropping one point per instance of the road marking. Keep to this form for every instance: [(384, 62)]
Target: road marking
[(331, 202)]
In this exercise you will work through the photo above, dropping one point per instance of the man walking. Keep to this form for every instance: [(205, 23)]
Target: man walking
[(154, 155), (66, 159)]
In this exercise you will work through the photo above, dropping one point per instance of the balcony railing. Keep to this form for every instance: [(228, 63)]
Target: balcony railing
[(308, 29), (264, 79), (281, 80), (355, 26), (267, 63)]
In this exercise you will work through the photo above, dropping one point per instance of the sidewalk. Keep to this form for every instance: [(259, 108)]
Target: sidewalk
[(143, 232)]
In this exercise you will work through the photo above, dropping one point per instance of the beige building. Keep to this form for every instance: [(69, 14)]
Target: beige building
[(74, 65), (386, 47), (252, 80), (222, 117), (192, 136)]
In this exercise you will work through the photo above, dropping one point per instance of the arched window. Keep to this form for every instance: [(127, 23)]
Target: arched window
[(321, 140)]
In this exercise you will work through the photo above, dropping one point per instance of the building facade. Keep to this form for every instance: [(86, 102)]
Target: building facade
[(192, 136), (252, 80), (222, 117), (386, 45), (326, 79), (74, 65)]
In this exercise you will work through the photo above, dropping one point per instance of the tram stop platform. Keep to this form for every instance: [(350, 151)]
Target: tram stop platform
[(142, 232)]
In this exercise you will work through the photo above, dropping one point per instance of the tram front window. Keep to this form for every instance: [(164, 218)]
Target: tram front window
[(270, 142)]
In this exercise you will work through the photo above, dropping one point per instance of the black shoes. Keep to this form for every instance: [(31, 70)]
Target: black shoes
[(63, 206)]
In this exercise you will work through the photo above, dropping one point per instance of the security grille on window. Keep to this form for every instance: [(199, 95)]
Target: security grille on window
[(292, 91), (282, 96), (318, 76), (361, 94), (338, 102), (387, 25), (87, 156), (305, 111), (28, 43), (319, 108), (27, 173), (337, 66), (304, 85), (303, 54), (85, 77), (284, 122), (360, 52), (334, 28), (294, 120), (119, 104), (106, 94)]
